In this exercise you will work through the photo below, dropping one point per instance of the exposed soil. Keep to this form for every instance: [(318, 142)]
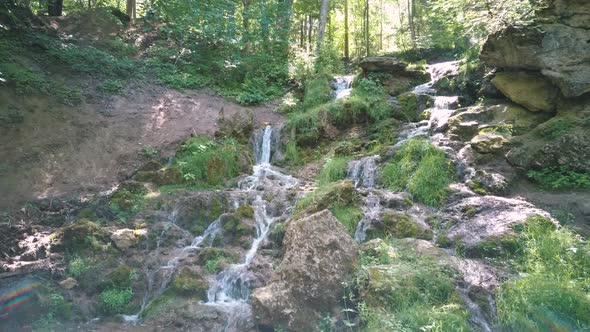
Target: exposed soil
[(67, 151)]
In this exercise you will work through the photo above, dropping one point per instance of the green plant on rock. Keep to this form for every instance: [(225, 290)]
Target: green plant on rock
[(115, 301), (112, 86), (556, 128), (421, 169), (189, 283)]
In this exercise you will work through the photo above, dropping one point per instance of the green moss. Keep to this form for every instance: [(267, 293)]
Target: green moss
[(189, 283), (409, 104), (83, 234), (399, 225), (122, 277), (478, 188), (245, 211), (235, 227), (505, 246), (422, 169), (158, 305), (556, 128), (341, 193), (128, 200)]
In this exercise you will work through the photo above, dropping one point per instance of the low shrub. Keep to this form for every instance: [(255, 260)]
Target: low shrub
[(560, 177), (115, 301), (335, 169)]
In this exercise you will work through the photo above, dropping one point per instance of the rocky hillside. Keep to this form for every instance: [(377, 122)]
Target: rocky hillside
[(451, 196)]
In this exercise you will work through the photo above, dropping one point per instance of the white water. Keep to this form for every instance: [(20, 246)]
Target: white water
[(230, 290), (437, 71), (371, 211), (364, 171), (343, 86)]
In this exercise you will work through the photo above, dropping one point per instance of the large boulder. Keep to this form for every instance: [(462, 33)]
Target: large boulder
[(486, 223), (559, 51), (529, 89), (319, 257)]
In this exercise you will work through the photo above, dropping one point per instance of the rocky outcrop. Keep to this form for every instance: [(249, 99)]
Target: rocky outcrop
[(488, 142), (402, 77), (126, 238), (529, 89), (558, 48), (486, 223), (319, 257)]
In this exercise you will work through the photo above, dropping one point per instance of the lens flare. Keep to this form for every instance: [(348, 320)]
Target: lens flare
[(16, 296)]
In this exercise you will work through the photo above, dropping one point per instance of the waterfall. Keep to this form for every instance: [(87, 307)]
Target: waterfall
[(371, 211), (342, 86), (364, 171), (230, 290), (437, 72), (265, 147)]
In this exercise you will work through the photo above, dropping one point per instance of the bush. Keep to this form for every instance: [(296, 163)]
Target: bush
[(560, 177), (112, 86), (422, 169), (115, 301), (77, 267), (317, 91), (348, 216), (208, 162)]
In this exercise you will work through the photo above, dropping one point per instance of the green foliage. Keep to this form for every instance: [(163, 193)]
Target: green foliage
[(112, 86), (25, 80), (553, 262), (410, 293), (317, 91), (188, 283), (208, 162), (150, 152), (422, 169), (560, 177), (127, 201), (115, 301), (335, 169), (77, 267), (307, 127), (348, 216), (556, 128)]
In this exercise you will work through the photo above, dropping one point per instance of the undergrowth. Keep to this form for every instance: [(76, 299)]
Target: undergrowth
[(208, 162), (553, 289), (560, 177), (421, 169), (335, 169)]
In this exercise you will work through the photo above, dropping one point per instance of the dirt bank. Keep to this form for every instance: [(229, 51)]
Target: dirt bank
[(61, 150)]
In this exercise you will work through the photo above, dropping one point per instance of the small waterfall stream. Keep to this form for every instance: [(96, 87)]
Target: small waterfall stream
[(343, 86), (230, 290)]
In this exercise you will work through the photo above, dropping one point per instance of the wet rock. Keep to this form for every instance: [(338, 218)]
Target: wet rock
[(68, 284), (392, 66), (531, 90), (488, 142), (487, 220), (488, 182), (319, 257), (396, 201), (462, 130)]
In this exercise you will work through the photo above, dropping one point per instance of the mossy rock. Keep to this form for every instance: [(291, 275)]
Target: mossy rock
[(531, 90), (245, 211), (399, 225), (207, 254), (189, 283), (133, 187), (504, 246), (122, 276), (341, 193), (235, 227), (80, 235), (198, 212), (161, 177)]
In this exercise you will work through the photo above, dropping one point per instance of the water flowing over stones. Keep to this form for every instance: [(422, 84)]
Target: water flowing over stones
[(363, 172), (342, 86), (371, 212), (437, 71)]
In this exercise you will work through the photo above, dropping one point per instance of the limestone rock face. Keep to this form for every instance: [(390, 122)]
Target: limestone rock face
[(319, 257), (126, 238), (531, 90), (559, 50), (402, 78)]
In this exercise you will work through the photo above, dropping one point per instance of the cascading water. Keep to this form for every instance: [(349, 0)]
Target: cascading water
[(371, 211), (343, 86), (364, 171), (230, 290)]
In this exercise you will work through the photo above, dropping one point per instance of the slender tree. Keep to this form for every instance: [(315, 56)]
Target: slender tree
[(55, 7), (323, 20), (346, 42)]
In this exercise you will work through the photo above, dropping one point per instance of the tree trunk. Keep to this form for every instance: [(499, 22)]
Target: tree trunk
[(286, 9), (309, 33), (367, 37), (411, 22), (346, 47), (129, 8), (302, 32), (381, 26), (323, 20), (246, 24), (55, 7)]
